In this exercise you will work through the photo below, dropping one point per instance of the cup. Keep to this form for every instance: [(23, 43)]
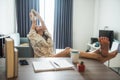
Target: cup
[(74, 54)]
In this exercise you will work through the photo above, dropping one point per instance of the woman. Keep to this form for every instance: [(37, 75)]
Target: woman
[(41, 39), (42, 44)]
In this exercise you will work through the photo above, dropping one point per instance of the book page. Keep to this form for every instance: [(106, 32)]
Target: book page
[(62, 64), (42, 66)]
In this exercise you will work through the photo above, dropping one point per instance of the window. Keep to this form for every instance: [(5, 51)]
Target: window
[(47, 13)]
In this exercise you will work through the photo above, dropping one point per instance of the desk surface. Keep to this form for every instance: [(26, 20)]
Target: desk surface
[(94, 71)]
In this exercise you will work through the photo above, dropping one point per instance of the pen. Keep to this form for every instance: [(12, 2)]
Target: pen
[(56, 64)]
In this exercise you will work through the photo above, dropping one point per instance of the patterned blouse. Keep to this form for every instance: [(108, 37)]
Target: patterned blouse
[(42, 46)]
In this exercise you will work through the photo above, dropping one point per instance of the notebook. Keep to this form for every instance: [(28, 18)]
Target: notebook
[(52, 65)]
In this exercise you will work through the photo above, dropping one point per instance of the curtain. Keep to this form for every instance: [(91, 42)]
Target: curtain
[(23, 7), (63, 24)]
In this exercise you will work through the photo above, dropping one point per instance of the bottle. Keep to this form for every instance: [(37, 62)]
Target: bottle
[(81, 67)]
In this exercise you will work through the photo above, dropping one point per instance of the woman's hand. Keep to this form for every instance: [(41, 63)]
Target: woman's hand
[(34, 12), (32, 18)]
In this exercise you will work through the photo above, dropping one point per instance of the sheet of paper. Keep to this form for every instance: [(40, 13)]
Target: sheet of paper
[(62, 64), (115, 45), (42, 66)]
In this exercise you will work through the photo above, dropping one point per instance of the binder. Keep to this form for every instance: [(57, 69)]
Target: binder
[(11, 58)]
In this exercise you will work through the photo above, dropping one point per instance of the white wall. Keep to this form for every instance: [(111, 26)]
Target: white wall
[(88, 17), (83, 13), (109, 15), (83, 19), (7, 16)]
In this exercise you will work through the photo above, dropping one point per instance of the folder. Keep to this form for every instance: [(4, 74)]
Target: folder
[(11, 58)]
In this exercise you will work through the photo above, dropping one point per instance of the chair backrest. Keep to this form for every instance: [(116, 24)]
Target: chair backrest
[(24, 40), (30, 46), (16, 38)]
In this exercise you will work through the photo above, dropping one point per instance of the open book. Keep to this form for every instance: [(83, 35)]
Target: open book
[(51, 65)]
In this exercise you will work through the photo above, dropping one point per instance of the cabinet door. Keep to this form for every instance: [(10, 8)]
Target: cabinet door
[(115, 62)]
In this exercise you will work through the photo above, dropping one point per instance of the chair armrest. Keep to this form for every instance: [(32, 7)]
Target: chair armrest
[(25, 51)]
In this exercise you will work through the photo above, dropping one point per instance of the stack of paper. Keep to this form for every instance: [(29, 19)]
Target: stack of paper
[(50, 65)]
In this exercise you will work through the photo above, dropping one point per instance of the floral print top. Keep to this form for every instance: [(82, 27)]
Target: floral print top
[(42, 47)]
